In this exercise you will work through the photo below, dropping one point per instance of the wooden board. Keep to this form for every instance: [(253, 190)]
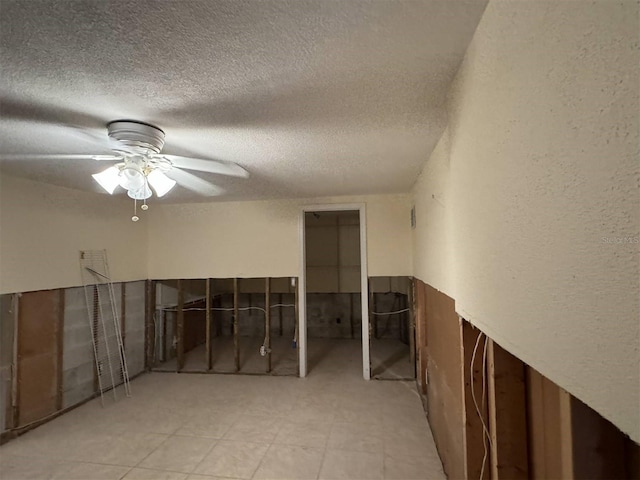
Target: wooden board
[(236, 329), (550, 444), (267, 321), (208, 324), (39, 361), (149, 324), (507, 414), (180, 328), (600, 450), (443, 383), (473, 426)]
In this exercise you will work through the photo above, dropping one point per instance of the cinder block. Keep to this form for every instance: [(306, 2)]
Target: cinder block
[(76, 356), (80, 393)]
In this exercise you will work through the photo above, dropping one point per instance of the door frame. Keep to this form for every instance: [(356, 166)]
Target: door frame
[(364, 283)]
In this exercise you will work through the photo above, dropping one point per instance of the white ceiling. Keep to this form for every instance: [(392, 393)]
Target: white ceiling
[(313, 98)]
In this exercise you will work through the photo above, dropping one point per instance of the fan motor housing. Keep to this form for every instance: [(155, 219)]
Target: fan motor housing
[(136, 137)]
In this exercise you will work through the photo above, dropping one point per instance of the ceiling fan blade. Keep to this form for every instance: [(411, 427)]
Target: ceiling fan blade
[(24, 110), (55, 157), (213, 166), (193, 183)]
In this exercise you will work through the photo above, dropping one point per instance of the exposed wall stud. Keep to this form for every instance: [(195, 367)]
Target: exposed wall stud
[(236, 339), (15, 388), (208, 323), (267, 321), (60, 349), (150, 311), (412, 326), (123, 313), (280, 329), (351, 315), (473, 428), (507, 414), (180, 328)]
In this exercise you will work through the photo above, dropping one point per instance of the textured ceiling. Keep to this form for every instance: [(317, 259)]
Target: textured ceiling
[(313, 98)]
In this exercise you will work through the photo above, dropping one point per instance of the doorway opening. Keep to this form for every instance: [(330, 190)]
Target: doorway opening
[(334, 291)]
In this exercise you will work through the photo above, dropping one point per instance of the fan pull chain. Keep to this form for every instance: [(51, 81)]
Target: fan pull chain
[(144, 205), (135, 217)]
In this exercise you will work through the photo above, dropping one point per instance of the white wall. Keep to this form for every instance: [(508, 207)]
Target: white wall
[(43, 227), (542, 171), (261, 238)]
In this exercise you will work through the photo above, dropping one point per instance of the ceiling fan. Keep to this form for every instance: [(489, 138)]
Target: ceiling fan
[(142, 170)]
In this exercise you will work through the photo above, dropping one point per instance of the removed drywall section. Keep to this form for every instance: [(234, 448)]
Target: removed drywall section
[(40, 316), (444, 378), (540, 198), (134, 326), (73, 221), (78, 362)]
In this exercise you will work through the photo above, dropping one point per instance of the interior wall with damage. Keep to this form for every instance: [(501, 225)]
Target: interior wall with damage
[(47, 362), (232, 325), (533, 231), (73, 220)]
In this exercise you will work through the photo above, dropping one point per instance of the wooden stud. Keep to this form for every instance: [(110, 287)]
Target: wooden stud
[(412, 326), (566, 434), (374, 318), (60, 350), (123, 313), (296, 324), (351, 315), (473, 429), (15, 388), (150, 311), (180, 328), (208, 323), (236, 330), (267, 321), (163, 317), (507, 414), (280, 329)]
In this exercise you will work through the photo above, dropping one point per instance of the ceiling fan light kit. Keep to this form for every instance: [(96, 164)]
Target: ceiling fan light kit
[(138, 145), (141, 168)]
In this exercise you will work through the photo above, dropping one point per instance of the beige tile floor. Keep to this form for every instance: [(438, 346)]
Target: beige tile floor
[(331, 425)]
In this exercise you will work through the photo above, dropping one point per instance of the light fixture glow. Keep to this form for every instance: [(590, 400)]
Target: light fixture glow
[(140, 194), (160, 182), (109, 179), (131, 177)]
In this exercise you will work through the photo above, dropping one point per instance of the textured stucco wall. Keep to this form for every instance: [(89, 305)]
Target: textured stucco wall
[(432, 246), (542, 195), (43, 227), (259, 239)]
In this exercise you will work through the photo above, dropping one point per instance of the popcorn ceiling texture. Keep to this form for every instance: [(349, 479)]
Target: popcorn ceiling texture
[(528, 208), (313, 98)]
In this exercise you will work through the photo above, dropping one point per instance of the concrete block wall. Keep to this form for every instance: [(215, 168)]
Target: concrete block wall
[(78, 360), (329, 314), (134, 326)]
